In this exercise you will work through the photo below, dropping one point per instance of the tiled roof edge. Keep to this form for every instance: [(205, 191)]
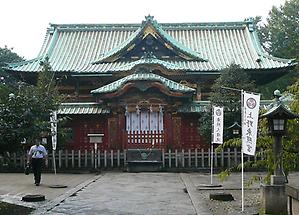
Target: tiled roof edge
[(135, 26), (13, 65)]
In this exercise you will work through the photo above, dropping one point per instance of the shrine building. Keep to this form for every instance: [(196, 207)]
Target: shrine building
[(145, 85)]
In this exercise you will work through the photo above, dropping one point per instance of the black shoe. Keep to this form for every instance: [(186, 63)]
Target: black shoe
[(36, 184)]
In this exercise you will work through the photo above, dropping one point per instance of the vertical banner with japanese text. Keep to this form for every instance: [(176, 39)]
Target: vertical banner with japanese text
[(251, 106), (217, 136), (53, 121)]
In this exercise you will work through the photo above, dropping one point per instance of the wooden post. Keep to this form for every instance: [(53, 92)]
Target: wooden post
[(163, 158), (183, 158), (105, 158), (14, 159), (118, 158), (222, 158), (60, 158), (176, 158), (73, 159), (202, 158), (215, 156), (111, 156), (125, 157), (85, 158), (79, 158), (189, 157), (228, 157), (66, 157), (236, 156), (99, 158), (169, 158), (92, 158), (196, 157)]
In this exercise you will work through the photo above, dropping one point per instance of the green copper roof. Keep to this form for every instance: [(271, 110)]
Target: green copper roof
[(81, 108), (74, 48), (139, 33), (171, 85)]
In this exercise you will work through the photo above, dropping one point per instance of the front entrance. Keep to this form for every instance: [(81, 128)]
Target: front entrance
[(145, 128)]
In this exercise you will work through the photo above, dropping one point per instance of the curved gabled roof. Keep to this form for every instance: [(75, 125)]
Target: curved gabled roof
[(149, 26), (149, 77), (73, 48)]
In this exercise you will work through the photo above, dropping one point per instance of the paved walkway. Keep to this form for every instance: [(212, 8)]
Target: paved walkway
[(13, 186), (130, 193), (121, 193)]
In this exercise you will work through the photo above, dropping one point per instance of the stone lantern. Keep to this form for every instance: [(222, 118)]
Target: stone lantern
[(273, 195)]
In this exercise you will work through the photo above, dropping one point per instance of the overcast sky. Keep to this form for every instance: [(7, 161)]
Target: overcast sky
[(23, 23)]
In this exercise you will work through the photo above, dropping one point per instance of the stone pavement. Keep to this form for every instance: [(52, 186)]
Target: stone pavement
[(13, 186), (122, 193)]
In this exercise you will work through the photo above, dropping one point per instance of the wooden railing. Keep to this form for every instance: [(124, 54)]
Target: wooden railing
[(85, 159)]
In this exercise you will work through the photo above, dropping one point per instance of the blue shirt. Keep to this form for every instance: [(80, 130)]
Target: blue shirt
[(37, 151)]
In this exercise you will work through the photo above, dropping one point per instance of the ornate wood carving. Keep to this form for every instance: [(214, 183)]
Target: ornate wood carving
[(176, 131)]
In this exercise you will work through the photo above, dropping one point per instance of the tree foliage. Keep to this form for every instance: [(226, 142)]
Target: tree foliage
[(292, 139), (264, 152), (280, 37), (7, 56), (233, 77), (25, 111)]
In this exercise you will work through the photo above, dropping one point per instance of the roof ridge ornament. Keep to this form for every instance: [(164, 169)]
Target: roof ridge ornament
[(149, 18), (251, 23)]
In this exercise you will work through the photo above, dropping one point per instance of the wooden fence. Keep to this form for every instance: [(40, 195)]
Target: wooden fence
[(183, 159)]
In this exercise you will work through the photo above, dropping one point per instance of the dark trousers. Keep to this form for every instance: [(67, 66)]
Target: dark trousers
[(37, 164)]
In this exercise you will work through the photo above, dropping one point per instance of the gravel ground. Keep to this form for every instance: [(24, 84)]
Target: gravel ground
[(251, 203), (232, 186)]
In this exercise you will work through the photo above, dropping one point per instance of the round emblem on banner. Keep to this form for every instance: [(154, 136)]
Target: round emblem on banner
[(218, 112), (251, 103)]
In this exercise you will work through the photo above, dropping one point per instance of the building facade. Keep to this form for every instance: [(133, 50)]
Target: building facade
[(145, 85)]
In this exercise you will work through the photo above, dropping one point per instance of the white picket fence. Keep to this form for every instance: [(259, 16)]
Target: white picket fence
[(88, 159)]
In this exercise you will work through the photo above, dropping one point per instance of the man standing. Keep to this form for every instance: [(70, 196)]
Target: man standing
[(36, 155)]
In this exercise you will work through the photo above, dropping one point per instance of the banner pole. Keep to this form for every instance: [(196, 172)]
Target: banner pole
[(242, 159), (211, 155), (211, 152), (54, 162)]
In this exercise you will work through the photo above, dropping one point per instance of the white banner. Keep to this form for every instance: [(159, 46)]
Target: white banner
[(251, 105), (217, 136), (53, 120)]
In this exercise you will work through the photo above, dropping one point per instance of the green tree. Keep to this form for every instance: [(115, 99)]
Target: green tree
[(291, 142), (280, 37), (264, 153), (7, 56), (25, 111), (233, 77)]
